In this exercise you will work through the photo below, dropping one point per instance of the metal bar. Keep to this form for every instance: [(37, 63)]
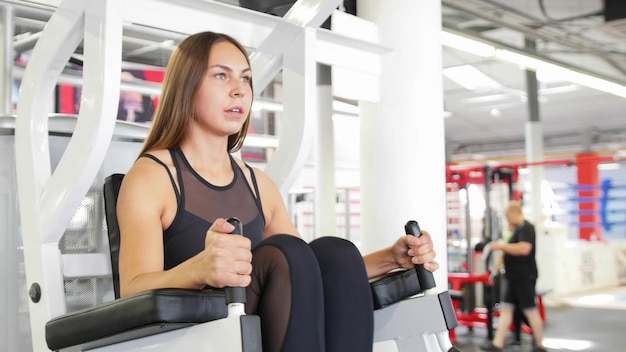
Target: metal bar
[(6, 59), (532, 86)]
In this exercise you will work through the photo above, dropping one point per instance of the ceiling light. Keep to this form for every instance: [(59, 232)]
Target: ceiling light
[(596, 83), (468, 45), (547, 76), (543, 66), (470, 77), (527, 62), (559, 90), (491, 98), (552, 70)]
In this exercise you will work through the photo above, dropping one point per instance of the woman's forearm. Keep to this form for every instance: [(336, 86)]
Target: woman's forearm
[(177, 277), (379, 263)]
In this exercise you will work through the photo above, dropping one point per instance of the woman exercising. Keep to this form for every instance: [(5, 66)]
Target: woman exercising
[(173, 202)]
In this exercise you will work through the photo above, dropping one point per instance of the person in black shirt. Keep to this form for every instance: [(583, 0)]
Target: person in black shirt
[(521, 276)]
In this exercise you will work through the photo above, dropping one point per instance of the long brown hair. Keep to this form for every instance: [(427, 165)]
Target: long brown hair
[(184, 73)]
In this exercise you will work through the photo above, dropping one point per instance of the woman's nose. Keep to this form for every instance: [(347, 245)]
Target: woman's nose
[(239, 89)]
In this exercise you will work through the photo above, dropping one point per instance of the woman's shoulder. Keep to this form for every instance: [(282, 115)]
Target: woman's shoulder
[(151, 168), (162, 155)]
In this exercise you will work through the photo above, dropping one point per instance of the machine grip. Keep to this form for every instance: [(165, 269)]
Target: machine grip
[(235, 294), (425, 277)]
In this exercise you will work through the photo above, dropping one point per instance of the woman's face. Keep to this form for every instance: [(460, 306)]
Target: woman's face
[(225, 96)]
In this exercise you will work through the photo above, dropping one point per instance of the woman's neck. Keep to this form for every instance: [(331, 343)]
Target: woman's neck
[(206, 156)]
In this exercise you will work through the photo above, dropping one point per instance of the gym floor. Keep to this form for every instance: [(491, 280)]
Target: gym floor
[(592, 322)]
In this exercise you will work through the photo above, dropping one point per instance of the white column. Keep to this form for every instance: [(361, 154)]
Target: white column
[(325, 193), (402, 136), (534, 155), (544, 253), (299, 111)]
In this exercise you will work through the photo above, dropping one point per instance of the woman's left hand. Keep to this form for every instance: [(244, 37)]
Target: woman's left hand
[(410, 250)]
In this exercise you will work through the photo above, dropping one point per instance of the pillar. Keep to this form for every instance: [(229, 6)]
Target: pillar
[(325, 193), (402, 136), (544, 248), (534, 142)]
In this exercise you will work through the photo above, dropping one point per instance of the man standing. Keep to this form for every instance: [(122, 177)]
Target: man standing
[(521, 276)]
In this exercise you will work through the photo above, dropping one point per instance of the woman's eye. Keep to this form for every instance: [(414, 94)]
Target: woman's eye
[(220, 75), (245, 79)]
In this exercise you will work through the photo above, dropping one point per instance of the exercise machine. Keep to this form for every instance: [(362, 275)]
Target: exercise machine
[(427, 334)]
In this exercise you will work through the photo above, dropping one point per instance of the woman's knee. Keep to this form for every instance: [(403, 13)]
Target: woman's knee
[(289, 292), (299, 256), (335, 251), (285, 242)]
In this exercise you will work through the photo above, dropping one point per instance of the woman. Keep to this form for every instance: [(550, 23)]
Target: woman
[(173, 202)]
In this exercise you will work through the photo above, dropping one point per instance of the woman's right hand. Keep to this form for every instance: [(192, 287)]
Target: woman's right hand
[(226, 259)]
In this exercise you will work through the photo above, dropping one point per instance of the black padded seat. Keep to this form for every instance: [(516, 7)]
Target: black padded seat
[(139, 315)]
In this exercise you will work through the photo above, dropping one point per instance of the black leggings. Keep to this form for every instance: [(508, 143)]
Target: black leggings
[(311, 297)]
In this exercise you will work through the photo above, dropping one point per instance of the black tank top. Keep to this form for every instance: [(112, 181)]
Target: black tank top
[(199, 203)]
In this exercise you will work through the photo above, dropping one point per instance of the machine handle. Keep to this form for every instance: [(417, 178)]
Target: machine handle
[(427, 281), (235, 294), (425, 277)]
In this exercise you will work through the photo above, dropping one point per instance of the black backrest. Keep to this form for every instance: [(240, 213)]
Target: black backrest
[(111, 190)]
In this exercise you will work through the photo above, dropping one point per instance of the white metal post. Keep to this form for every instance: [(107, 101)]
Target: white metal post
[(6, 59), (325, 191), (299, 111), (48, 200)]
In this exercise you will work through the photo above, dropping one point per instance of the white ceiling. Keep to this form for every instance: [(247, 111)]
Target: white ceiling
[(490, 122)]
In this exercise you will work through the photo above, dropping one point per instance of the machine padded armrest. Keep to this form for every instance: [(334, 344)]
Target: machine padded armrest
[(142, 314), (394, 287)]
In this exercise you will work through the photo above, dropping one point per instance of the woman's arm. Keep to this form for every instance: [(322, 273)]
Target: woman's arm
[(520, 249), (141, 205), (404, 253)]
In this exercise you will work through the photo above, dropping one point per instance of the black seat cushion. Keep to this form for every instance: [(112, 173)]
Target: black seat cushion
[(143, 314), (155, 311)]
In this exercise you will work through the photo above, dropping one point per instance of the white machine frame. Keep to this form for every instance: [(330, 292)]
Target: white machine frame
[(48, 200)]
